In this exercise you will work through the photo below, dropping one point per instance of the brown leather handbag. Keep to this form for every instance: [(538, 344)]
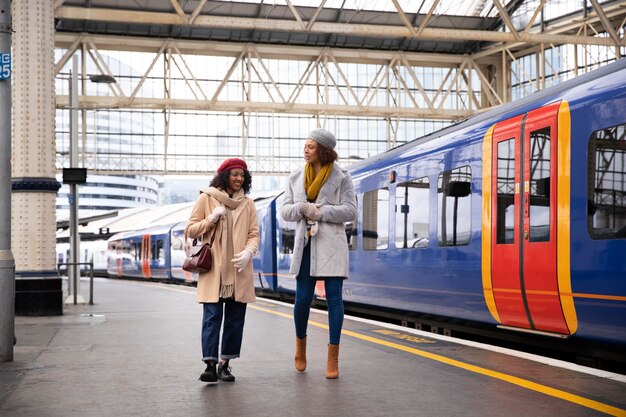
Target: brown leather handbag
[(199, 258)]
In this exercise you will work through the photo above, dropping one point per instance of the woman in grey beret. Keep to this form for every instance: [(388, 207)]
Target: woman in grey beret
[(320, 198)]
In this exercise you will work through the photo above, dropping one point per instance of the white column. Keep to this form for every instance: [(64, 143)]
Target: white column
[(33, 220)]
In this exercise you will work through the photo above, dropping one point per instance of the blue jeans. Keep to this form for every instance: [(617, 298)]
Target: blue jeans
[(234, 317), (305, 287)]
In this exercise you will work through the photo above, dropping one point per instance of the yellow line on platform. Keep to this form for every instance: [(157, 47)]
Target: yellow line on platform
[(543, 389), (576, 399)]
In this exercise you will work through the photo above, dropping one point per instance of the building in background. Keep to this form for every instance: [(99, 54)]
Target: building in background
[(105, 137)]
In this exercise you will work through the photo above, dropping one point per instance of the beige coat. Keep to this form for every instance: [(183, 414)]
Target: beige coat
[(245, 236)]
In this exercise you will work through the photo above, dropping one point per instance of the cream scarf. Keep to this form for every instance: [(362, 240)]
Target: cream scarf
[(227, 272)]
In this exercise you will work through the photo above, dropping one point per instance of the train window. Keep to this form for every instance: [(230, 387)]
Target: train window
[(412, 211), (454, 208), (606, 204), (160, 252), (375, 223), (506, 191), (351, 232), (135, 252), (540, 185), (287, 230)]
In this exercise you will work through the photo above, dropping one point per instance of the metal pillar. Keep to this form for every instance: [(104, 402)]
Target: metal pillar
[(73, 269), (7, 263)]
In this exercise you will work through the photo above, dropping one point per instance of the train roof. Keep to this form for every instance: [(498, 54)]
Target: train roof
[(135, 221), (135, 218), (486, 119)]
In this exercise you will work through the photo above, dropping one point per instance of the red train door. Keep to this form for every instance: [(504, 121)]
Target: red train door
[(539, 206), (523, 222), (145, 256)]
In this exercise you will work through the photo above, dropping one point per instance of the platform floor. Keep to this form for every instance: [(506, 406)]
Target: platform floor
[(136, 352)]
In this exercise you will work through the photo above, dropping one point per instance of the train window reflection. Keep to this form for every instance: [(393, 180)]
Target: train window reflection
[(505, 192), (412, 210), (375, 223), (540, 185), (351, 233), (454, 208), (606, 204)]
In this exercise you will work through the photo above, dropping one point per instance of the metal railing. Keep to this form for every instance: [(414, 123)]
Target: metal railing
[(77, 276)]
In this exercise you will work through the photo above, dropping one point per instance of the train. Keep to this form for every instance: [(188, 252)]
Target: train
[(514, 218)]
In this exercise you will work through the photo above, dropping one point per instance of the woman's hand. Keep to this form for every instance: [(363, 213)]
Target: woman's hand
[(240, 261), (310, 211), (219, 213)]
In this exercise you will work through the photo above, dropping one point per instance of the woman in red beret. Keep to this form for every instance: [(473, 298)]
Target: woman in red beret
[(224, 210)]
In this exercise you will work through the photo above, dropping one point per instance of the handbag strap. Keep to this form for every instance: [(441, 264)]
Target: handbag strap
[(195, 241)]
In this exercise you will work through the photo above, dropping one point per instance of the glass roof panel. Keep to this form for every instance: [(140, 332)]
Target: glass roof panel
[(445, 7)]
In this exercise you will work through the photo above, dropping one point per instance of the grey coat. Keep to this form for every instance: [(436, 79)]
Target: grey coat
[(329, 247)]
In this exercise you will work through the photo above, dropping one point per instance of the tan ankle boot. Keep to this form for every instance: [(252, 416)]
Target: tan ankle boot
[(332, 366), (300, 359)]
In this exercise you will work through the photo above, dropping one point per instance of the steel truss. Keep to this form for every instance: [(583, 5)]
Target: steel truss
[(394, 92)]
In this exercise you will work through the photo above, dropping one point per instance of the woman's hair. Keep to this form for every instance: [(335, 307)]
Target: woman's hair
[(326, 154), (220, 180)]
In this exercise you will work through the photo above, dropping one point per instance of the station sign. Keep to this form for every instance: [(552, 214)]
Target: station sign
[(5, 65)]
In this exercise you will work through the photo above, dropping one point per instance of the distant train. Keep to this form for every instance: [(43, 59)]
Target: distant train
[(515, 217), (90, 251)]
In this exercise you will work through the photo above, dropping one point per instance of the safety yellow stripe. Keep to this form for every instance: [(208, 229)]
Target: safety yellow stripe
[(596, 296), (563, 167), (490, 300), (543, 389)]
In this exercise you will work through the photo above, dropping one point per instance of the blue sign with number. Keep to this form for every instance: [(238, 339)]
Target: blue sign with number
[(5, 65)]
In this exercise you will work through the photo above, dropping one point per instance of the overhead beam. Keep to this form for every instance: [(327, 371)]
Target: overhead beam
[(564, 24), (606, 22), (405, 19), (111, 102), (504, 15), (427, 18), (281, 25), (283, 52)]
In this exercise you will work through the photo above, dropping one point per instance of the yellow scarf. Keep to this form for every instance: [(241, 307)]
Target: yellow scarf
[(313, 183)]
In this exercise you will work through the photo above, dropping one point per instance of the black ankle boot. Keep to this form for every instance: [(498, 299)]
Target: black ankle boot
[(209, 375), (223, 372)]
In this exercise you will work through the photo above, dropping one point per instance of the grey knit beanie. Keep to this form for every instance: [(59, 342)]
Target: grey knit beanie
[(323, 137)]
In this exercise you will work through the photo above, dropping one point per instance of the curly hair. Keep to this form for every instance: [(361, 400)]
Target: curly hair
[(326, 154), (220, 180)]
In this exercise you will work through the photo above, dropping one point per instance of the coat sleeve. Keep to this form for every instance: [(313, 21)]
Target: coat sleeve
[(252, 242), (346, 210), (290, 210), (198, 225)]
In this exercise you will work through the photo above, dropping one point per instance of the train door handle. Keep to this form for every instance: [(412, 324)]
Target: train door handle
[(525, 234)]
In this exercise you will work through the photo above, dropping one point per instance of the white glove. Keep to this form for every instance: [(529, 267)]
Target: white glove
[(302, 207), (311, 211), (218, 213), (241, 259)]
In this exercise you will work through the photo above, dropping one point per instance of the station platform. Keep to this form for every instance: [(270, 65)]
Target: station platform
[(136, 352)]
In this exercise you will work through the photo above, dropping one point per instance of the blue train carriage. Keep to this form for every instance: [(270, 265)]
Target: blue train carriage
[(487, 220), (264, 262), (283, 249), (554, 211), (123, 255), (156, 252), (140, 254)]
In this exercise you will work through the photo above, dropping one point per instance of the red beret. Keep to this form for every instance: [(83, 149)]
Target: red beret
[(232, 163)]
